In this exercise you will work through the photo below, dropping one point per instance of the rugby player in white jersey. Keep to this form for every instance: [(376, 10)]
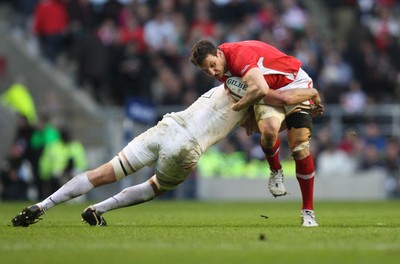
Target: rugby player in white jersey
[(174, 146)]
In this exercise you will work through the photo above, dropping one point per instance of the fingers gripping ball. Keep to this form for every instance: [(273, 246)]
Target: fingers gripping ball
[(236, 87)]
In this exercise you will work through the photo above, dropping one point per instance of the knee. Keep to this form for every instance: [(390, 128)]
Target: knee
[(268, 139), (155, 185), (269, 135)]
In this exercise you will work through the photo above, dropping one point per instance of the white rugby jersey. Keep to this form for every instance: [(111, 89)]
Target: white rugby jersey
[(210, 118)]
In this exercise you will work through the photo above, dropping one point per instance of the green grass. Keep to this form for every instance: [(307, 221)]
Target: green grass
[(207, 232)]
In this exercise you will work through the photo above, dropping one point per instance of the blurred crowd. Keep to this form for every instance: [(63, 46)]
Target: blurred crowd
[(139, 48), (42, 156)]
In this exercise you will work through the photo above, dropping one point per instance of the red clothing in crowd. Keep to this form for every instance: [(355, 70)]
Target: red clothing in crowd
[(50, 17)]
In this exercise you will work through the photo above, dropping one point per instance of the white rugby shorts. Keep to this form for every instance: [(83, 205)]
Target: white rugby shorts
[(169, 147)]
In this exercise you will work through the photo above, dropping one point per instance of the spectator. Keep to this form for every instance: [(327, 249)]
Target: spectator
[(308, 54), (131, 74), (294, 17), (111, 10), (329, 159), (44, 134), (17, 176), (373, 137), (265, 15), (336, 75), (384, 26), (370, 158), (15, 179), (82, 16), (160, 33), (202, 26), (131, 31), (355, 99), (167, 88), (83, 20), (94, 60), (60, 161), (50, 25), (351, 144)]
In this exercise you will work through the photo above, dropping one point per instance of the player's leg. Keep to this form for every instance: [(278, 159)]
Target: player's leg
[(116, 169), (78, 185), (144, 192), (299, 133), (123, 165), (270, 144), (130, 196), (175, 163), (133, 195), (269, 122)]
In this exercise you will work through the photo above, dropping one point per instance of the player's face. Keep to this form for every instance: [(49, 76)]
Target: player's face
[(214, 65)]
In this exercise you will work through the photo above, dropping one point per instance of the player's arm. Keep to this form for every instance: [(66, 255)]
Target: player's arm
[(295, 96), (291, 97), (257, 89), (249, 122)]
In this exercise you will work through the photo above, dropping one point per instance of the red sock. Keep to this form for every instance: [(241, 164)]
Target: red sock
[(272, 156), (305, 176)]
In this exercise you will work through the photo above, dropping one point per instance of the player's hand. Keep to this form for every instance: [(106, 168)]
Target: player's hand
[(231, 100), (249, 122), (317, 100), (236, 106), (317, 110)]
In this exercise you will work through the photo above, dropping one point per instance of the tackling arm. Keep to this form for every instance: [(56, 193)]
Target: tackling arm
[(291, 97), (280, 98)]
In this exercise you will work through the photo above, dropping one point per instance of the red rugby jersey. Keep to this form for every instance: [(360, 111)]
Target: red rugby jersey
[(279, 69)]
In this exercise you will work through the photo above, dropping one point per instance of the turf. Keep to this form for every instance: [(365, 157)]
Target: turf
[(207, 232)]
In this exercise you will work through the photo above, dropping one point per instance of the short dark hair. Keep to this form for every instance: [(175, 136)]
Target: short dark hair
[(200, 50)]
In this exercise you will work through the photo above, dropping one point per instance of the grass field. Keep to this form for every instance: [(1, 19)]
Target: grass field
[(207, 232)]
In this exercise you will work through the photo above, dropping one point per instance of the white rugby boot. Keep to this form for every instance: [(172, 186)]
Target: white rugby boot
[(275, 183), (308, 218)]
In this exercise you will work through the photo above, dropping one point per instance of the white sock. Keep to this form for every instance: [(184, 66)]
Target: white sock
[(78, 185), (130, 196)]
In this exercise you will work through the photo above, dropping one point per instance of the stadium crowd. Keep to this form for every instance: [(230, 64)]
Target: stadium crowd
[(139, 48)]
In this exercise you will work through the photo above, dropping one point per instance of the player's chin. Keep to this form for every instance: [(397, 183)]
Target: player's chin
[(218, 76)]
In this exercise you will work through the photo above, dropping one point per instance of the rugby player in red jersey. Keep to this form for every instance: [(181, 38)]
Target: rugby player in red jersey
[(263, 67)]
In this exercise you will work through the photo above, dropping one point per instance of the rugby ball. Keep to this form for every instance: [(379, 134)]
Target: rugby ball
[(236, 87)]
